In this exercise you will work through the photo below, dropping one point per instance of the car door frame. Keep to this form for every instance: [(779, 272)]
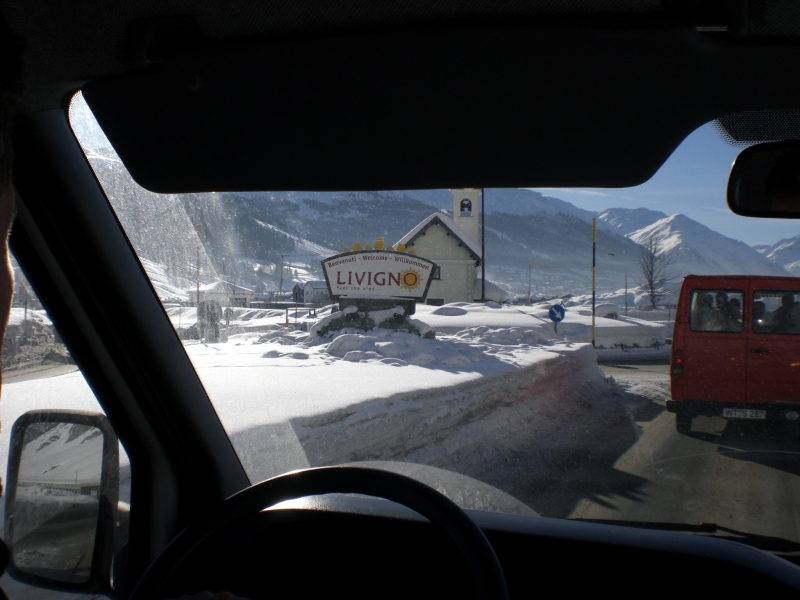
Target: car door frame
[(110, 318)]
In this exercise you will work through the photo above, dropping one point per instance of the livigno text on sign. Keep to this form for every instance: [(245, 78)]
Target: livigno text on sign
[(378, 274)]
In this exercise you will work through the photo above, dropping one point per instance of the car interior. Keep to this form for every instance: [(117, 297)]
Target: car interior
[(411, 95)]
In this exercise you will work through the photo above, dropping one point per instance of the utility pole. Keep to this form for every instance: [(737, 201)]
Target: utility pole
[(483, 245), (594, 272), (197, 297), (280, 283), (626, 295), (528, 303)]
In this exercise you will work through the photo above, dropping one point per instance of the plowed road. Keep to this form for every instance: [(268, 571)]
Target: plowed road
[(740, 475)]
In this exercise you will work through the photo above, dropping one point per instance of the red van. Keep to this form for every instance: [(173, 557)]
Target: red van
[(736, 349)]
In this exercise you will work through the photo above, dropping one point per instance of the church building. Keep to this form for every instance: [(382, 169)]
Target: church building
[(454, 244)]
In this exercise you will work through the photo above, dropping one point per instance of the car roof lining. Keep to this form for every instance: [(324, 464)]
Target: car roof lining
[(532, 105), (419, 94), (70, 43)]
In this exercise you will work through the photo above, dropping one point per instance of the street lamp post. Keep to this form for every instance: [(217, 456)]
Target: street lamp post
[(483, 245), (594, 271)]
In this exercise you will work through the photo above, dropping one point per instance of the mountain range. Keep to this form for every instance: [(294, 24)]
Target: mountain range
[(271, 239), (785, 253)]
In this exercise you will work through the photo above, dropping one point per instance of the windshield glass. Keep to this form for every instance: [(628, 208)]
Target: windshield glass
[(358, 327)]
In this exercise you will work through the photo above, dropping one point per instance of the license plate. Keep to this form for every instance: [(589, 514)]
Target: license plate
[(743, 413)]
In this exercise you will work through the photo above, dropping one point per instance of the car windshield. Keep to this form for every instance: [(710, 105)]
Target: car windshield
[(526, 351)]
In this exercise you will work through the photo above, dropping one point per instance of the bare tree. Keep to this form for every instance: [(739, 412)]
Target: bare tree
[(654, 268)]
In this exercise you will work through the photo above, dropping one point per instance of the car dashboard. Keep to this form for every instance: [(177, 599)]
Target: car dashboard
[(364, 548)]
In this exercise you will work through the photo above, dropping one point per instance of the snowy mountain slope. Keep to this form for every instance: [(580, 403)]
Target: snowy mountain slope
[(244, 235), (702, 251), (559, 247), (785, 253), (518, 201), (169, 288), (62, 454), (302, 245), (627, 220)]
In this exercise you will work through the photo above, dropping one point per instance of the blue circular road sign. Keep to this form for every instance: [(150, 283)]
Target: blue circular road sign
[(557, 313)]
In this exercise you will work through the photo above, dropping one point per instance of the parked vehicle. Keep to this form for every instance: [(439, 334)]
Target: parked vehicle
[(735, 349)]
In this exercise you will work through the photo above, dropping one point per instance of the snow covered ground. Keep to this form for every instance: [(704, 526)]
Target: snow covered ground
[(642, 330), (325, 402), (494, 379), (576, 327), (442, 410), (290, 400)]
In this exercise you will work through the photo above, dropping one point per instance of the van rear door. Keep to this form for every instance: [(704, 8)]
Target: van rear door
[(773, 345), (715, 343)]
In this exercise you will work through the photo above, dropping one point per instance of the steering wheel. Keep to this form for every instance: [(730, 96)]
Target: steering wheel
[(486, 571)]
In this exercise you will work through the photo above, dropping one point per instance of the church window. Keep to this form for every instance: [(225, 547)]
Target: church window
[(466, 208)]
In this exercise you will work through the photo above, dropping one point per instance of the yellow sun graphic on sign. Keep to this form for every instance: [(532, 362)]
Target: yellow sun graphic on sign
[(410, 279)]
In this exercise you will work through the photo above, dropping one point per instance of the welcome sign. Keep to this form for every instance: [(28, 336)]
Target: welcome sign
[(378, 273)]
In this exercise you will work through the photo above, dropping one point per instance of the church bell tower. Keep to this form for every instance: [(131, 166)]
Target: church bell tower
[(467, 210)]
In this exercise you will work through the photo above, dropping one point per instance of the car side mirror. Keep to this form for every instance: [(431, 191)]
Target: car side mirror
[(61, 502), (765, 181)]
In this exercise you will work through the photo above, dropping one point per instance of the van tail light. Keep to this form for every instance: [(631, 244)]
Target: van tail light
[(677, 363)]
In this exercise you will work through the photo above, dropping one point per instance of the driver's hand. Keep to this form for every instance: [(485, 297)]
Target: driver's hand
[(212, 596)]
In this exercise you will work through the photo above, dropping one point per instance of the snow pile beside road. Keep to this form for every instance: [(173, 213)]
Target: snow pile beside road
[(576, 327), (458, 401), (461, 402), (464, 427), (400, 349), (18, 315), (506, 337), (459, 317)]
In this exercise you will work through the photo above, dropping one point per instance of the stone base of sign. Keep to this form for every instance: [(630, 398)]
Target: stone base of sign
[(373, 304), (351, 318)]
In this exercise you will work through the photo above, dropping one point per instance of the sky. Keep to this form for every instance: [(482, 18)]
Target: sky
[(691, 182)]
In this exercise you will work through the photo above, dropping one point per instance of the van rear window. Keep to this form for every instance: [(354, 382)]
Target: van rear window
[(716, 310), (776, 311)]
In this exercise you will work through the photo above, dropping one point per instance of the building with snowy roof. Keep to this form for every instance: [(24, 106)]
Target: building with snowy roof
[(454, 245), (298, 295), (315, 293), (224, 293)]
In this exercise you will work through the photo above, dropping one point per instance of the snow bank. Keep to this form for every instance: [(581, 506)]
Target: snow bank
[(462, 427), (453, 394), (18, 315), (639, 329), (458, 402)]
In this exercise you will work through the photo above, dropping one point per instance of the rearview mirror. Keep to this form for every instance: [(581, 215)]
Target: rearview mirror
[(62, 494), (765, 181)]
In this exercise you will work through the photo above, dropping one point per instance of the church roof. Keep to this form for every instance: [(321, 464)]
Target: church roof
[(442, 219), (316, 284)]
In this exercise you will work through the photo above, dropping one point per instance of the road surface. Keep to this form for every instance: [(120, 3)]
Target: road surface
[(635, 466)]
